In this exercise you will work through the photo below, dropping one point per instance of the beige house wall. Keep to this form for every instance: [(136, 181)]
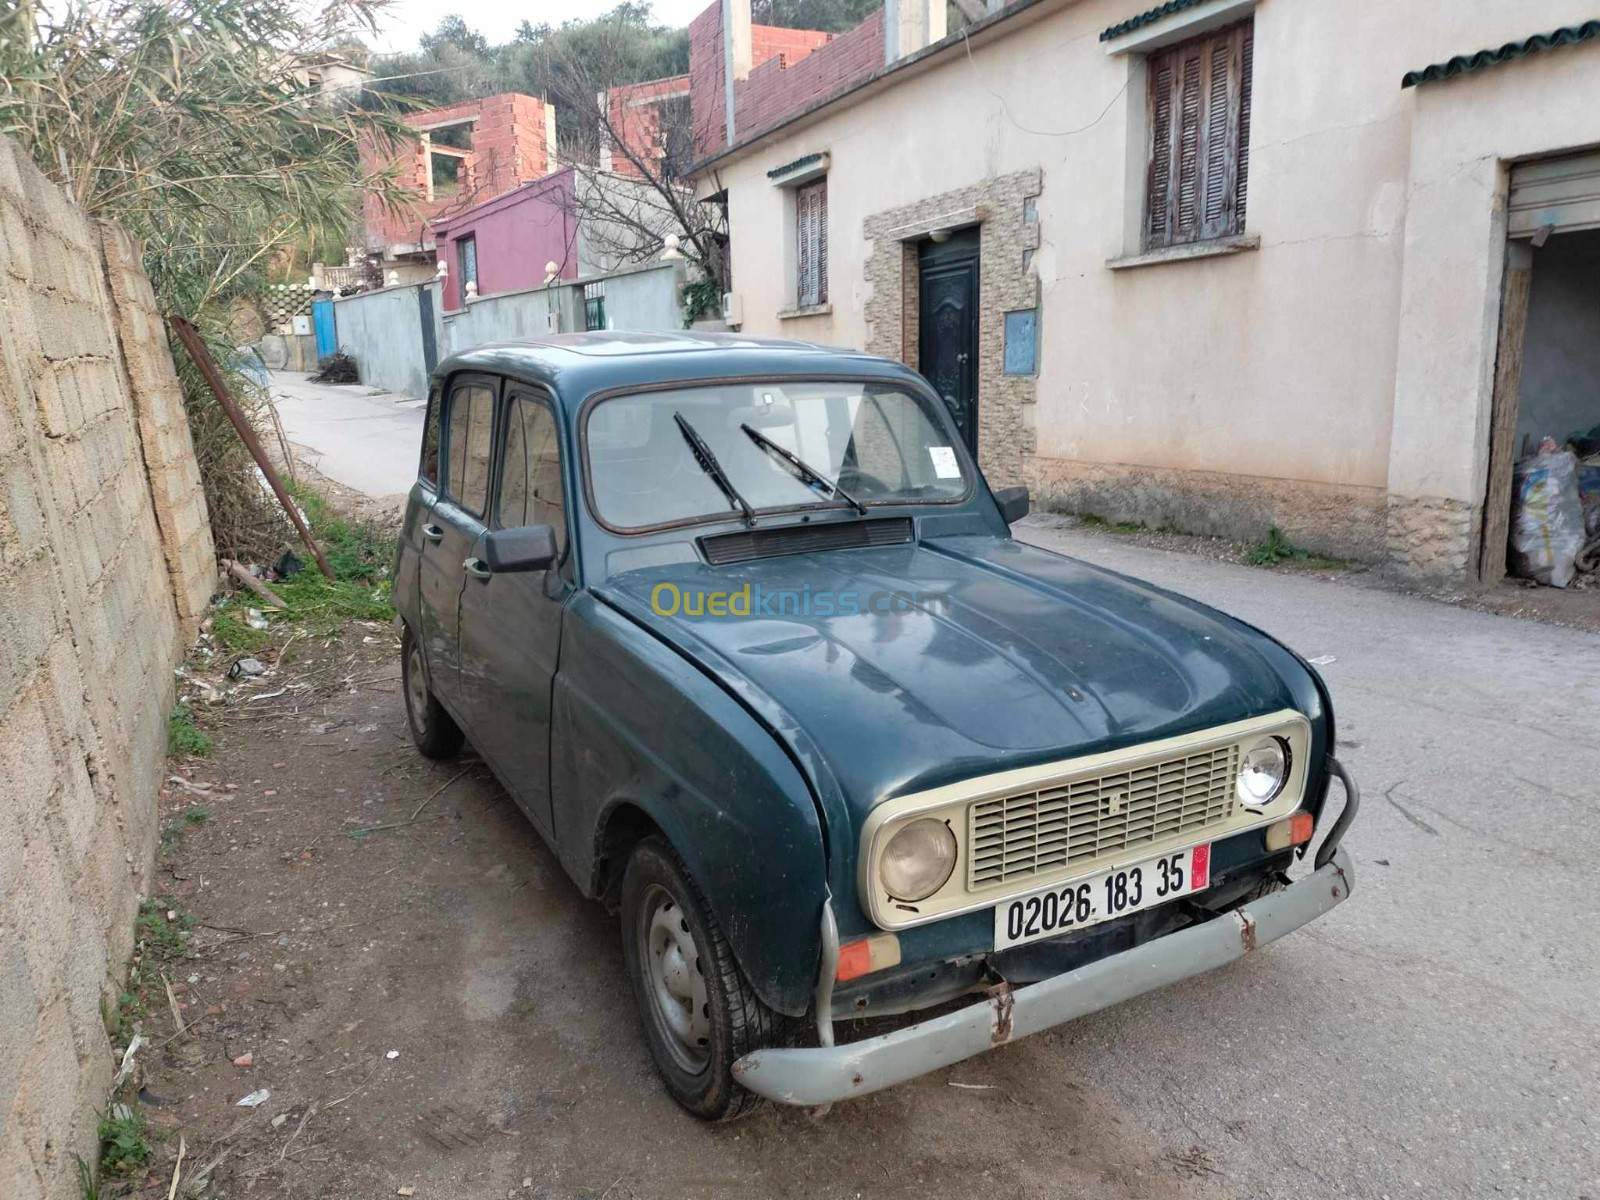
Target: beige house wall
[(1221, 394), (105, 566)]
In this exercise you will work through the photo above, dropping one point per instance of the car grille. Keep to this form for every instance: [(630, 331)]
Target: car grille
[(1019, 836)]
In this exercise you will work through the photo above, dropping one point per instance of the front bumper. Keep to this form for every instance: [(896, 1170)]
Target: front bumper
[(823, 1074)]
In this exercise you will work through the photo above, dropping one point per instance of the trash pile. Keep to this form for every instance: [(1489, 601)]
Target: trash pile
[(1555, 513), (215, 674)]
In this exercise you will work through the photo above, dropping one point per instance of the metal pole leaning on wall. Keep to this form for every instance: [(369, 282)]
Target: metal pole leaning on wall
[(190, 337)]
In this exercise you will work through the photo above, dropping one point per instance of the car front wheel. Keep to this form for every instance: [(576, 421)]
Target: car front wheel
[(699, 1014)]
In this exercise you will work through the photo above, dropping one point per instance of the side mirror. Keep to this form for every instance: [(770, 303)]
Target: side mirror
[(1013, 502), (527, 548)]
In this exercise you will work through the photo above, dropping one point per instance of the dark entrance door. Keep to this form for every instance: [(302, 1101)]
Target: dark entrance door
[(947, 335)]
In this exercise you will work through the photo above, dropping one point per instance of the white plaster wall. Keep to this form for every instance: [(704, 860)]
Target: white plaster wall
[(1281, 362)]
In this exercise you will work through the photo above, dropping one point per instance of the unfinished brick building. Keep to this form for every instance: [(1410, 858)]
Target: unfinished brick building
[(463, 155)]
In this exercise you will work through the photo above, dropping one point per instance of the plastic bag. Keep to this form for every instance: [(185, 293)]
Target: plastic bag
[(1589, 494), (1546, 518)]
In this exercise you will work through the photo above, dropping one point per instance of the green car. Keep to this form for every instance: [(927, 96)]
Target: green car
[(742, 629)]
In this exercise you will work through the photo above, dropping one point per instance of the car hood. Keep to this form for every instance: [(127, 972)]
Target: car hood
[(1030, 657)]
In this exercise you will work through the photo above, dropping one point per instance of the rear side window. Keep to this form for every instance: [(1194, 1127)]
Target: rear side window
[(429, 470), (471, 427), (530, 480)]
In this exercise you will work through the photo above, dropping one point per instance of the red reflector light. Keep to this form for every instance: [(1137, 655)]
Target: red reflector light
[(1299, 828), (869, 954)]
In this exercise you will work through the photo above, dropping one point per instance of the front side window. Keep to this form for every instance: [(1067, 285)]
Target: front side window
[(530, 471), (470, 435), (881, 444), (429, 470), (811, 243), (1199, 119)]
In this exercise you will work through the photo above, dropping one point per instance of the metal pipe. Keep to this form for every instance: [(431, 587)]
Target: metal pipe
[(1352, 801), (192, 342)]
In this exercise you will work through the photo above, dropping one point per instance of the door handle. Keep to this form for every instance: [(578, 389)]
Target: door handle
[(477, 568), (433, 533)]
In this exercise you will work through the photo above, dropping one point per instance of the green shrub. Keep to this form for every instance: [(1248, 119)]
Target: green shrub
[(124, 1143), (184, 737)]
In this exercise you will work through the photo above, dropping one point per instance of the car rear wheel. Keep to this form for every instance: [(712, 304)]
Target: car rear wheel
[(434, 730), (699, 1014)]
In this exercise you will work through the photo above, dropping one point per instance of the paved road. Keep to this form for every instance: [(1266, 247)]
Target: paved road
[(1438, 1035), (363, 439)]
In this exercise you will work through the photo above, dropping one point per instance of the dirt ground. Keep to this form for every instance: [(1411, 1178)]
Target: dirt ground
[(433, 1007)]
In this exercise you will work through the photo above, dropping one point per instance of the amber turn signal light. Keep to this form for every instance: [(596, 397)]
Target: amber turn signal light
[(871, 954), (1292, 831)]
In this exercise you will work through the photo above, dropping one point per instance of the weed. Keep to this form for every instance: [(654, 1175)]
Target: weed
[(163, 927), (172, 832), (1278, 549), (87, 1188), (129, 1012), (234, 634), (124, 1142), (184, 737), (357, 551)]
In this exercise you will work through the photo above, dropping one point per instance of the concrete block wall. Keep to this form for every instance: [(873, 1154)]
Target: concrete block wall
[(102, 524)]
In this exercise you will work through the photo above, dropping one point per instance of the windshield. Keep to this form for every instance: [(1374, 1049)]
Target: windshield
[(878, 443)]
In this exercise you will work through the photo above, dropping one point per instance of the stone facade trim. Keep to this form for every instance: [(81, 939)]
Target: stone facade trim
[(1002, 208)]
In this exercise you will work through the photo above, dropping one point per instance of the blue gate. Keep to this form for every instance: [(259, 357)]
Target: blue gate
[(322, 321)]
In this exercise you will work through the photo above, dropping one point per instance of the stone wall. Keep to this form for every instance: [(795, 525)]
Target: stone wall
[(105, 566), (1003, 210)]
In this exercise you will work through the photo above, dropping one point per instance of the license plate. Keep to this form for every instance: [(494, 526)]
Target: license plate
[(1085, 902)]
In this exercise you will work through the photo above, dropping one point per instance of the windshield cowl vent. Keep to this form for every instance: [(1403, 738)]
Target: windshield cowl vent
[(723, 548)]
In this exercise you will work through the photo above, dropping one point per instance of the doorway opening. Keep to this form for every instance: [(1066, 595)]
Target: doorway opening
[(1542, 511)]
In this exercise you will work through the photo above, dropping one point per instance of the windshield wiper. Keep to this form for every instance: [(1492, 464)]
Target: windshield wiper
[(808, 474), (709, 464)]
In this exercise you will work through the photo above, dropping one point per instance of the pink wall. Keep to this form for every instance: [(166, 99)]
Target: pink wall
[(516, 234)]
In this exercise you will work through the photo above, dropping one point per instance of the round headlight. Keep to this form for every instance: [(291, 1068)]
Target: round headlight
[(918, 860), (1264, 772)]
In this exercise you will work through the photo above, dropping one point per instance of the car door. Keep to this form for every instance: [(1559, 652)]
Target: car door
[(511, 623), (419, 512), (452, 528)]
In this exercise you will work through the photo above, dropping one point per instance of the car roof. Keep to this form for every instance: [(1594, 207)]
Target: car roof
[(576, 365)]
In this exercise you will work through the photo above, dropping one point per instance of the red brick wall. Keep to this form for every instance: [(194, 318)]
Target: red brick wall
[(508, 149), (638, 125), (794, 68)]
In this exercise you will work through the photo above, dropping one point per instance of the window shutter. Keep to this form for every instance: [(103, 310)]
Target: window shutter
[(1188, 164), (822, 242), (1160, 113), (1247, 53), (811, 245), (1199, 131)]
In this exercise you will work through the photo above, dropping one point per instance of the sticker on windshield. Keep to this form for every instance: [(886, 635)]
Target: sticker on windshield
[(944, 462)]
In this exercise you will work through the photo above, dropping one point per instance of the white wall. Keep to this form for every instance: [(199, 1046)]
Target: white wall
[(1280, 363)]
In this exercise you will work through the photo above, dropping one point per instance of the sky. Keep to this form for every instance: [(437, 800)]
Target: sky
[(404, 21)]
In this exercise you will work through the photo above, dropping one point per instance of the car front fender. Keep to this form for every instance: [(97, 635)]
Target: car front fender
[(635, 724)]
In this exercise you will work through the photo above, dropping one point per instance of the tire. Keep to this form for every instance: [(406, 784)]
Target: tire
[(670, 937), (432, 729)]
